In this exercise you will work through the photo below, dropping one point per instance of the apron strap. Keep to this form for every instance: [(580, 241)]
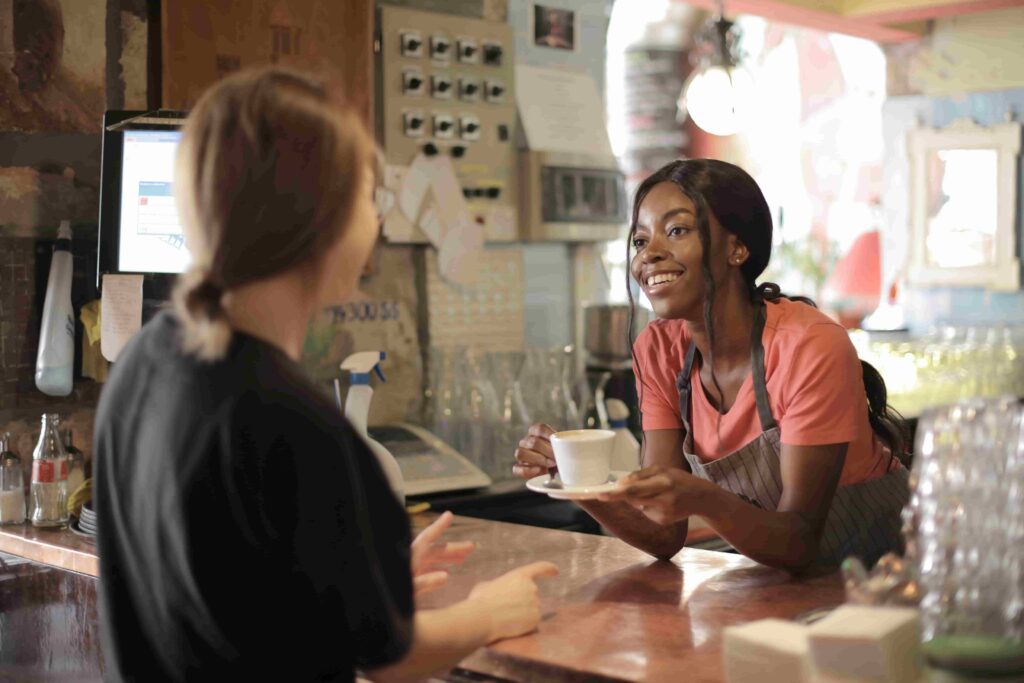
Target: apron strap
[(683, 385), (764, 411)]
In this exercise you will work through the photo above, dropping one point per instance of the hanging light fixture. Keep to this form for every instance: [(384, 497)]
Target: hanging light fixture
[(719, 95)]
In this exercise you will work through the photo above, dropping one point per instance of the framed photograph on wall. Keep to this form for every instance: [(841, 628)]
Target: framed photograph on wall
[(554, 27)]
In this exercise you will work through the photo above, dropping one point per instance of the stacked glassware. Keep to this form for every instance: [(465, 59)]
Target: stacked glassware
[(965, 536), (947, 364), (482, 404)]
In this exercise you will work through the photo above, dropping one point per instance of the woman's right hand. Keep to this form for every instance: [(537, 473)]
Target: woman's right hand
[(511, 602), (534, 456)]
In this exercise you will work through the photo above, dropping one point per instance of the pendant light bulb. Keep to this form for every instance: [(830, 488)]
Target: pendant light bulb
[(719, 98), (719, 95)]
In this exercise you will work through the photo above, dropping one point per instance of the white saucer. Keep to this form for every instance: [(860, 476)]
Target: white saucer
[(539, 484)]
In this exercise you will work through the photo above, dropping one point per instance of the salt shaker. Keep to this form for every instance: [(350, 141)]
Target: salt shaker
[(12, 489), (49, 477)]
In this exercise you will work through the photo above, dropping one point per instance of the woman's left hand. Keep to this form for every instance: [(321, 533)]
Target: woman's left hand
[(430, 558), (664, 494)]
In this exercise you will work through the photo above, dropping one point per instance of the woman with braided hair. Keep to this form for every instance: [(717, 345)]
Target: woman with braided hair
[(757, 414)]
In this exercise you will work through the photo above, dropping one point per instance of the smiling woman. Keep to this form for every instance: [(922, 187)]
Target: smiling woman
[(781, 439)]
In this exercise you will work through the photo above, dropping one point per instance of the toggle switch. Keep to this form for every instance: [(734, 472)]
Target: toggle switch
[(444, 125), (493, 192), (470, 127), (469, 89), (439, 47), (413, 124), (468, 51), (430, 149), (412, 83), (494, 91), (458, 151), (492, 54), (441, 86), (411, 44)]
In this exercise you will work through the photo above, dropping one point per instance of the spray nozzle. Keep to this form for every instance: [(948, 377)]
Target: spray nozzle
[(361, 364)]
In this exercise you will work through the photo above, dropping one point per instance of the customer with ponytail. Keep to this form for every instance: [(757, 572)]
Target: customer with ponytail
[(246, 532), (757, 414)]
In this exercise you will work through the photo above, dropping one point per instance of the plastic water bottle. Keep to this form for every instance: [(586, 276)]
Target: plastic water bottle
[(57, 333)]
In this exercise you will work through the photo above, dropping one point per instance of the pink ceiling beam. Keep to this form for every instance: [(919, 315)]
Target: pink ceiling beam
[(785, 13), (935, 11)]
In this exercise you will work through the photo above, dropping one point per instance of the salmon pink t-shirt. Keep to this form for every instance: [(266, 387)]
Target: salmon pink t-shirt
[(815, 390)]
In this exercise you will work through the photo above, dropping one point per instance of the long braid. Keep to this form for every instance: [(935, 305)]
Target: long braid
[(704, 232)]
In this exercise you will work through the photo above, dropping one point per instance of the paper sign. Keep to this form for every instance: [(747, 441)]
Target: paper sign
[(430, 224), (561, 111), (120, 313), (414, 187), (458, 257), (451, 203)]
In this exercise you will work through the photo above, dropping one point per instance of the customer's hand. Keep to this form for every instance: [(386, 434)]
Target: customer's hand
[(430, 559), (534, 455), (511, 601), (664, 494)]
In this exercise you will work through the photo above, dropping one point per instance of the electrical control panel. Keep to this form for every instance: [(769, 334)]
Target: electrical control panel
[(445, 86)]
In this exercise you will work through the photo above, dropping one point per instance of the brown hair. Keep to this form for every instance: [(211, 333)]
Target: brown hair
[(267, 174)]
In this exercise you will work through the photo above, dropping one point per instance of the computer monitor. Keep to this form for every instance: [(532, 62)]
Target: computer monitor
[(139, 229)]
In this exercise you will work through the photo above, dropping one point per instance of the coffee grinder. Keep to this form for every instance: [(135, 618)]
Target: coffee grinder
[(608, 329)]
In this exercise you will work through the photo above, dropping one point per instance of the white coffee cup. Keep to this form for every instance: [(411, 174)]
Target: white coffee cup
[(583, 456)]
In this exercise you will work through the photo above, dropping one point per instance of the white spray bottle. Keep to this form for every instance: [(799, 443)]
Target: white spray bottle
[(626, 449), (357, 411), (57, 332)]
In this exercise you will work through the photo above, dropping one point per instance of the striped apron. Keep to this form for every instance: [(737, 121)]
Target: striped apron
[(864, 518)]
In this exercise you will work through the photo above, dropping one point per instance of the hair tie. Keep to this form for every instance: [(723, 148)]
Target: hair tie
[(768, 291), (207, 294)]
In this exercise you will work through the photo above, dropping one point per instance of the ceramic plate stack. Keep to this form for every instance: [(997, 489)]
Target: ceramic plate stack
[(86, 524)]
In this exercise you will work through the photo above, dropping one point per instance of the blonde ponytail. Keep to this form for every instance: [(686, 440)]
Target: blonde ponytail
[(199, 304)]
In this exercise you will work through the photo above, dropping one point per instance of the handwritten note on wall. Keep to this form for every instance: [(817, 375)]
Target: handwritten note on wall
[(120, 313)]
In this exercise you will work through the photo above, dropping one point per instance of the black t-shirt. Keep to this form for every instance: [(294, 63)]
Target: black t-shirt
[(246, 532)]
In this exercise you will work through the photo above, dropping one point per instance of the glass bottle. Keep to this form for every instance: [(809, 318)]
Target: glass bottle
[(12, 489), (49, 476), (76, 462)]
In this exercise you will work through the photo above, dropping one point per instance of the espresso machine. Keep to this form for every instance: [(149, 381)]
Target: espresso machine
[(607, 331)]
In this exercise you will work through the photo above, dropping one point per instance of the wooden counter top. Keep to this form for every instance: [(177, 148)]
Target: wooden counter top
[(614, 613), (56, 547)]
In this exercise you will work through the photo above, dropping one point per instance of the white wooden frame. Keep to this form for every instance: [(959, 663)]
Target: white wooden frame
[(1005, 139)]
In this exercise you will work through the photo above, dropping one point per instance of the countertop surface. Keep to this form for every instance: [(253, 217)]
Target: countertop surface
[(613, 613), (56, 547)]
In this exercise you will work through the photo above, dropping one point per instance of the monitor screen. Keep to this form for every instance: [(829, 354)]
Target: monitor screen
[(150, 239), (139, 229)]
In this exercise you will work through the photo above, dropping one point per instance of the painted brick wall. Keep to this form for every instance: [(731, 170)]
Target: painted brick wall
[(62, 62)]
